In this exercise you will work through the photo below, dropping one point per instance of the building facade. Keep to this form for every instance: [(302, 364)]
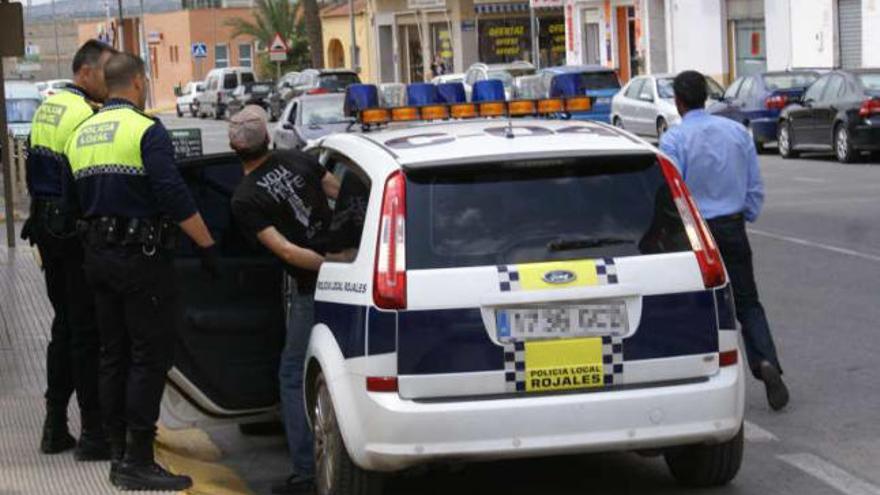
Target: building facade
[(336, 30), (170, 37)]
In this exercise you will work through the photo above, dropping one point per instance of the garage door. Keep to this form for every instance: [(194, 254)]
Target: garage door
[(849, 14)]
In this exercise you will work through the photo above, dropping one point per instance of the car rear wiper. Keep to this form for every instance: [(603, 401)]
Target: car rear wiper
[(572, 243)]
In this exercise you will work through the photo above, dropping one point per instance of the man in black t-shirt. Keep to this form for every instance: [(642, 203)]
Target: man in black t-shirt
[(282, 203)]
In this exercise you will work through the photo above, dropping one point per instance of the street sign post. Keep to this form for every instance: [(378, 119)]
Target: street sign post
[(278, 52), (11, 45), (199, 52)]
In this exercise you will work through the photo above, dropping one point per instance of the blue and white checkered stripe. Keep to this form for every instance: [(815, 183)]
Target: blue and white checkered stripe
[(508, 278), (612, 360), (606, 271)]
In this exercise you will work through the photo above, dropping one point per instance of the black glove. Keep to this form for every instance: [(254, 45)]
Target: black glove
[(209, 261)]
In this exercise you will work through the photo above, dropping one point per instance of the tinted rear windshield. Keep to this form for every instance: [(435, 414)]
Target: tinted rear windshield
[(522, 212), (600, 80), (338, 82), (871, 81), (790, 80)]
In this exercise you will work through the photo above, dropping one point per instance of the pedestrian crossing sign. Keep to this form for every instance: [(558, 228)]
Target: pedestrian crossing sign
[(199, 50)]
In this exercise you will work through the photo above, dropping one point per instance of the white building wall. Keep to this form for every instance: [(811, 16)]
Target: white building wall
[(696, 37), (813, 41), (871, 33), (777, 22)]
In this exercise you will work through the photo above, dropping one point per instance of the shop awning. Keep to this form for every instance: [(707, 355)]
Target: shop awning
[(501, 8)]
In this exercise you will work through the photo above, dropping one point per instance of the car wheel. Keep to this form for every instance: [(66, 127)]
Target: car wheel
[(335, 472), (617, 123), (706, 465), (662, 127), (843, 146), (194, 111), (179, 111), (218, 113), (783, 138)]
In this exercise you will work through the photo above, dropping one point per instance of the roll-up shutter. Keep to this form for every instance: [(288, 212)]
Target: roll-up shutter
[(849, 14)]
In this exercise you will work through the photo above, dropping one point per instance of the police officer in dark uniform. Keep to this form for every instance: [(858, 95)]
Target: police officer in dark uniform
[(131, 200), (72, 355)]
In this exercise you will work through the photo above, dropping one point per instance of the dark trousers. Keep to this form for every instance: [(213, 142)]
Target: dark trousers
[(72, 355), (730, 234), (137, 308)]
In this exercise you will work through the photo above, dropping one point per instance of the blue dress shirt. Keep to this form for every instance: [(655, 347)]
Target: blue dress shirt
[(719, 164)]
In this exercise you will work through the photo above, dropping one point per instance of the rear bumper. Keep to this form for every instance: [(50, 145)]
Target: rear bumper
[(387, 433), (764, 129), (866, 137)]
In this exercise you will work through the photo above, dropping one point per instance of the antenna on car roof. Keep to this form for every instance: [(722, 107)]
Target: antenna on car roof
[(508, 133)]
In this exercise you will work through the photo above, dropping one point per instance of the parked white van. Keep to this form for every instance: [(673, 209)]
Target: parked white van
[(219, 85)]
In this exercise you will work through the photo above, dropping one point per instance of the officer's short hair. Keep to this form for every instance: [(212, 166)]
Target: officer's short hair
[(691, 89), (89, 54), (121, 69)]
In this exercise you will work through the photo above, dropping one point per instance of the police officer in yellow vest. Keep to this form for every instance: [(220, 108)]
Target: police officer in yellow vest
[(131, 200), (72, 355)]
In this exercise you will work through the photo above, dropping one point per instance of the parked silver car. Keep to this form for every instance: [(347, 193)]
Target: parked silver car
[(646, 105), (506, 73), (309, 117)]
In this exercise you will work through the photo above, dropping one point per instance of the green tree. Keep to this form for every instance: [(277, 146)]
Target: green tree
[(277, 16)]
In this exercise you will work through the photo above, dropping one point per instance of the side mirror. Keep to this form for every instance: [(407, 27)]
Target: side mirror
[(287, 126)]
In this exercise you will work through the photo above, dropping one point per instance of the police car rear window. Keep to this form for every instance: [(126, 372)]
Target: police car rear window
[(522, 212)]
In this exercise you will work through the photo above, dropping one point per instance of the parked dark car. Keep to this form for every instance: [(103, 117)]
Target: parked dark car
[(756, 100), (839, 112), (315, 81), (255, 93), (308, 118), (283, 94)]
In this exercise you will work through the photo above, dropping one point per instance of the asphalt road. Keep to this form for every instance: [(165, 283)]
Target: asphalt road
[(817, 258)]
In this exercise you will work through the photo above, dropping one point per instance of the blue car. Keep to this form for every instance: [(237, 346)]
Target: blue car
[(756, 101), (599, 83)]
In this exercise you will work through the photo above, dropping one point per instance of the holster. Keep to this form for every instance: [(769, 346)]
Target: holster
[(149, 233)]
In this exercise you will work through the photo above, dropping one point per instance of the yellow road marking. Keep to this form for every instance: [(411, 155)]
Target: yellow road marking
[(192, 452)]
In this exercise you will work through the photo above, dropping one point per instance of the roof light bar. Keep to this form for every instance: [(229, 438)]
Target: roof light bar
[(521, 108), (493, 109), (435, 112), (404, 114), (550, 105), (578, 104), (463, 111)]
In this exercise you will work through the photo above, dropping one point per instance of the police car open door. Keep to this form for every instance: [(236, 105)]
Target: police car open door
[(231, 330)]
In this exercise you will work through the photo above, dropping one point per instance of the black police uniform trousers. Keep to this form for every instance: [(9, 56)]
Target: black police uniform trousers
[(137, 307), (733, 242), (72, 354)]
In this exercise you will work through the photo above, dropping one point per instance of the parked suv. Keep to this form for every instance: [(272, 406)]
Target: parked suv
[(518, 289), (219, 85)]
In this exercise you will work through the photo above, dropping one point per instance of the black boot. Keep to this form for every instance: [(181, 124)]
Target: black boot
[(138, 470), (56, 436), (93, 444)]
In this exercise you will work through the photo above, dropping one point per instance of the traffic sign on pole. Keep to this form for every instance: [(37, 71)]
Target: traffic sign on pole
[(278, 49), (199, 50)]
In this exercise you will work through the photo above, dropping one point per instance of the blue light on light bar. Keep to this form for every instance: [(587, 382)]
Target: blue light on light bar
[(418, 94), (359, 97), (488, 90), (567, 85), (450, 93)]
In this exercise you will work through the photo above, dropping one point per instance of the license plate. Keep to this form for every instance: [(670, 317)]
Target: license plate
[(561, 322), (570, 364)]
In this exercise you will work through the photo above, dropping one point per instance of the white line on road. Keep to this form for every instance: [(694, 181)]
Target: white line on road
[(755, 433), (817, 245), (830, 474), (809, 179)]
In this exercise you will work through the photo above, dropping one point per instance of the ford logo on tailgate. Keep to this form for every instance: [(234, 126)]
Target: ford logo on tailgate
[(559, 277)]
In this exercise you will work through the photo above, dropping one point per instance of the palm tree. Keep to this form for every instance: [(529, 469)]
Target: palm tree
[(280, 16)]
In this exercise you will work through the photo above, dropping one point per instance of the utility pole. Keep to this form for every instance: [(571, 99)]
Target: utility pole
[(119, 28), (57, 50), (354, 51), (145, 55)]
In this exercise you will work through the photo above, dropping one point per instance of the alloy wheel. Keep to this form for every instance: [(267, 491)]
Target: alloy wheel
[(327, 442), (842, 144), (783, 140)]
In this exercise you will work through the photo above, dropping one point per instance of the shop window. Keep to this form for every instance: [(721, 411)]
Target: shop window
[(441, 52), (551, 41), (221, 56), (504, 40), (245, 55)]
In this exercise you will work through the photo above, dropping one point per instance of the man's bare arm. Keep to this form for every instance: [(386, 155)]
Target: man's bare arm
[(196, 229), (289, 252), (330, 184)]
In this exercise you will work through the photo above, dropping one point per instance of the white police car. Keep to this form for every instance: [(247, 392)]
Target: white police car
[(514, 288)]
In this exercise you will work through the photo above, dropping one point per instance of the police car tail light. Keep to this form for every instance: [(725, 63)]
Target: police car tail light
[(776, 102), (381, 384), (869, 107), (389, 283), (702, 242), (728, 358)]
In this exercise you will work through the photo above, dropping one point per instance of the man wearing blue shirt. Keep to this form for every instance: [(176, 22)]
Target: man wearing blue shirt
[(719, 164)]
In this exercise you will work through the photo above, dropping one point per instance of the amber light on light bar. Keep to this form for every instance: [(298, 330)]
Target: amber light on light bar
[(578, 104), (463, 110), (374, 116), (404, 114), (493, 109), (550, 105), (435, 112), (519, 108)]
